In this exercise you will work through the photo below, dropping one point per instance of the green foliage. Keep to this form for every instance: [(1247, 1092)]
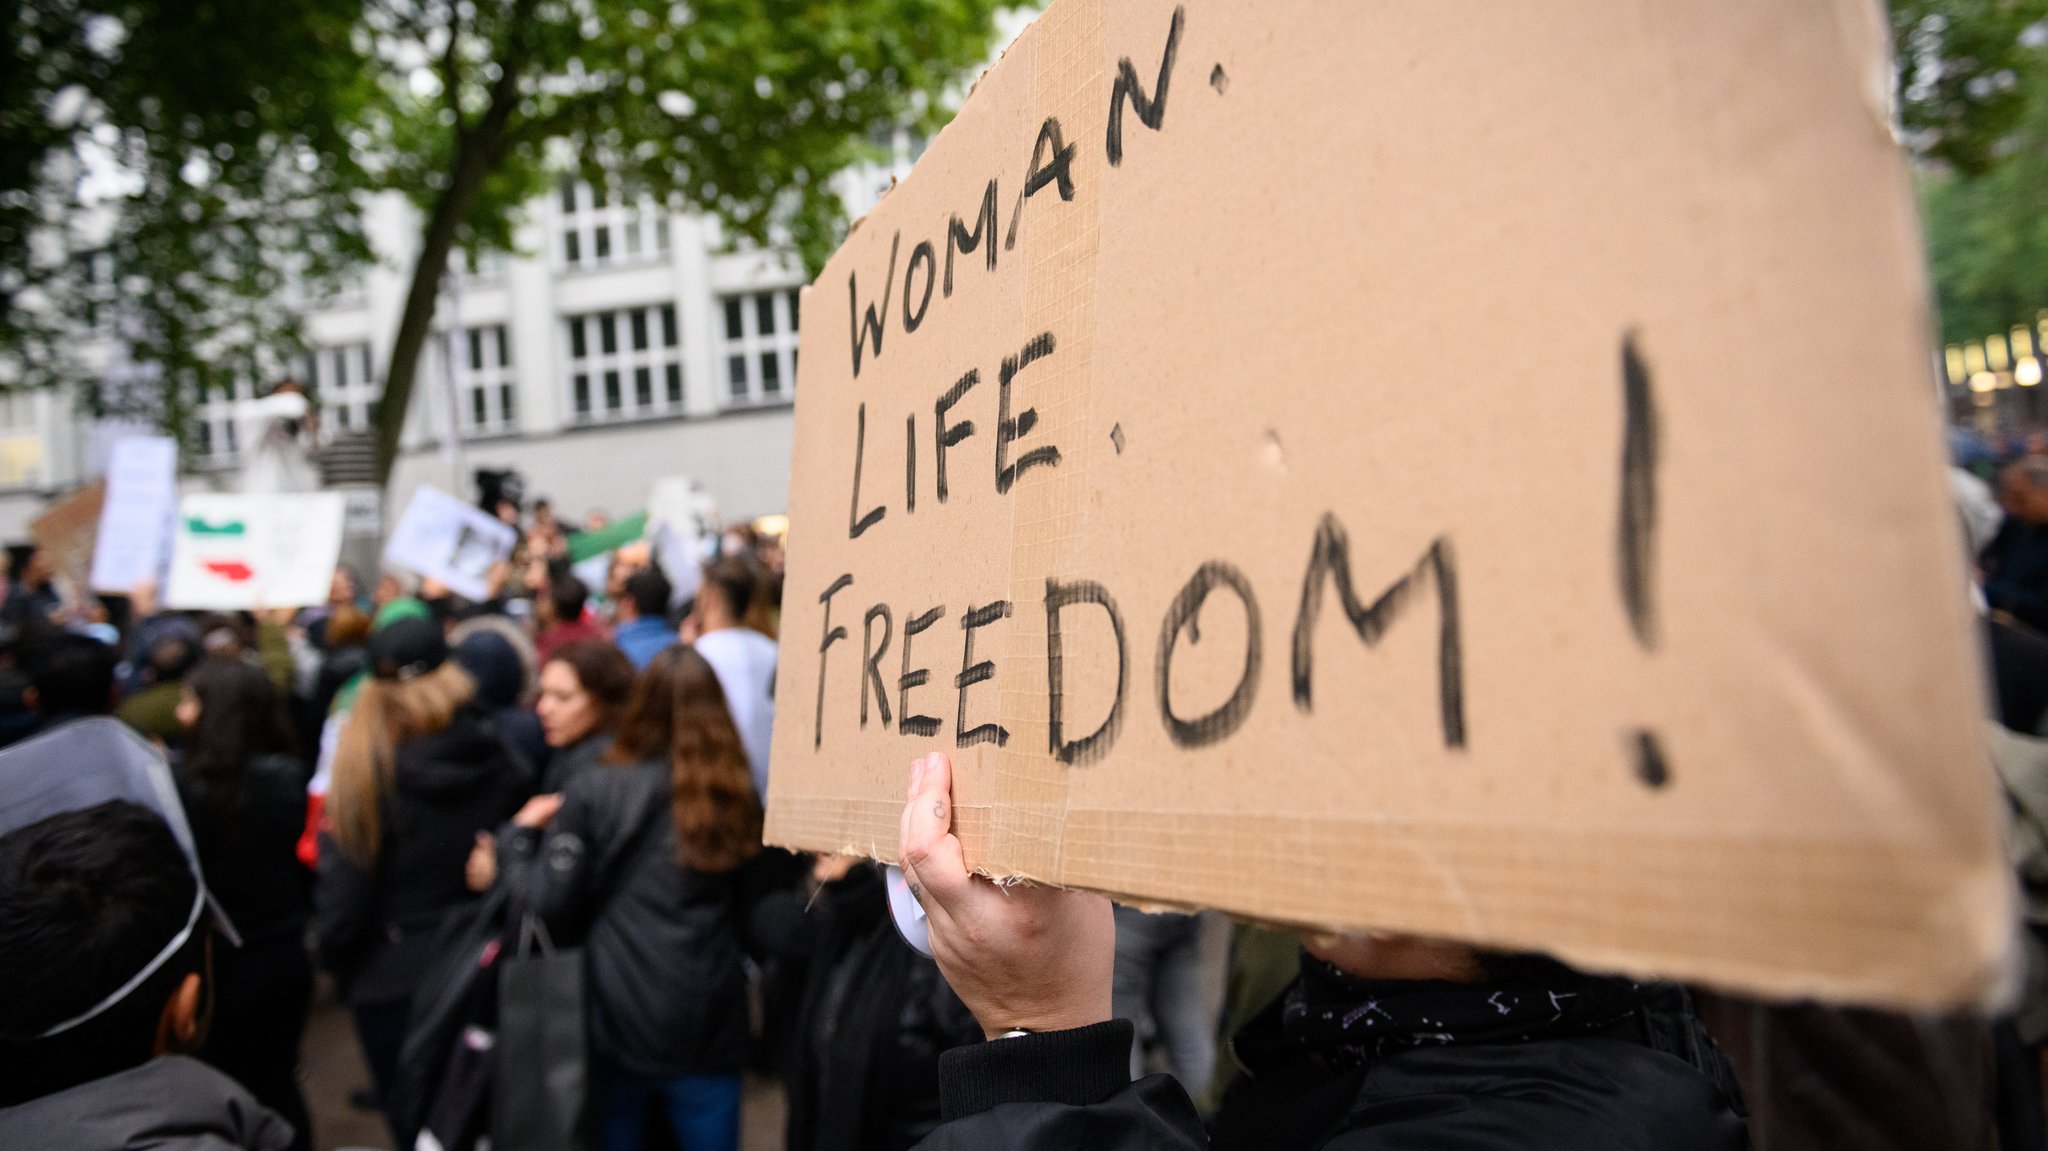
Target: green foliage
[(1966, 73)]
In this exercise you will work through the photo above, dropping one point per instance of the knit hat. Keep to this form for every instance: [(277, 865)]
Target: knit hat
[(407, 648)]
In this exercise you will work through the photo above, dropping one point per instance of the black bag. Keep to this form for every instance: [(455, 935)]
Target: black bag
[(456, 992), (543, 1082)]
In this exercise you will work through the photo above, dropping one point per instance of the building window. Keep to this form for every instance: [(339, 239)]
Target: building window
[(344, 386), (634, 378), (486, 382), (605, 228), (220, 400), (760, 347)]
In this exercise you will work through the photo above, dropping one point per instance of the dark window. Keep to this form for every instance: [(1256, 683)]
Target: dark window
[(608, 333), (736, 368), (764, 314), (511, 410), (604, 241), (675, 383), (600, 194), (732, 318), (229, 428), (478, 400), (368, 375), (582, 395), (639, 316), (205, 439), (340, 368), (476, 350), (792, 369), (668, 325), (771, 372), (794, 295), (577, 348), (504, 349), (572, 246), (340, 417), (643, 387), (612, 402), (568, 194)]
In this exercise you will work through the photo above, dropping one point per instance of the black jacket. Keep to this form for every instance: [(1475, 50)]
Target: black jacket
[(665, 984), (171, 1103), (247, 830), (376, 925), (1644, 1081), (875, 1017)]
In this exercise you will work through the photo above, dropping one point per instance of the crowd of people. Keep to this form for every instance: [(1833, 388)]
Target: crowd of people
[(444, 805)]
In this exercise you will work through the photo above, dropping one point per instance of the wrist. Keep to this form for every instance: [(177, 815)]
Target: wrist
[(1011, 1026)]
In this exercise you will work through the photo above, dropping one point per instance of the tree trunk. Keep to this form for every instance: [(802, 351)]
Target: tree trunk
[(477, 154)]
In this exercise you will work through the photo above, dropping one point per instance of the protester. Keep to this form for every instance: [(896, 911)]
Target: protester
[(2015, 563), (417, 772), (584, 690), (73, 679), (500, 659), (641, 629), (644, 860), (244, 797), (1382, 1041), (1162, 978), (89, 900), (874, 1019), (743, 658), (152, 710), (562, 615)]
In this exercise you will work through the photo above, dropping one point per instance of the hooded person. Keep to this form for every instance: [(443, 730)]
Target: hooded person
[(418, 770), (106, 943)]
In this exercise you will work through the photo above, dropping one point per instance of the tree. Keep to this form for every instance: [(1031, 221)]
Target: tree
[(174, 173), (743, 108)]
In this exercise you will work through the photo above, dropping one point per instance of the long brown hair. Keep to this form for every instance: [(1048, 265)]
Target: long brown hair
[(678, 711), (386, 713), (604, 672)]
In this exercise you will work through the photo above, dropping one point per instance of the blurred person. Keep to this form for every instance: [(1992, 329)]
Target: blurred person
[(73, 678), (645, 859), (391, 586), (564, 619), (1164, 980), (743, 658), (2015, 563), (874, 1018), (499, 657), (417, 772), (152, 711), (280, 431), (1382, 1041), (642, 628), (343, 656), (104, 953), (584, 690), (244, 794)]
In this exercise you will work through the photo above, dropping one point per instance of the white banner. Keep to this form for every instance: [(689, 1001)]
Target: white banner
[(442, 538), (235, 552), (134, 538)]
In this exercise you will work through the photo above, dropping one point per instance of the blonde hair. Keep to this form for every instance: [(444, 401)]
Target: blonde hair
[(386, 713)]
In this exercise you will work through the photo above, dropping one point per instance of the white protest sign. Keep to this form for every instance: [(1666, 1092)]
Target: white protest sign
[(134, 537), (235, 552), (442, 538)]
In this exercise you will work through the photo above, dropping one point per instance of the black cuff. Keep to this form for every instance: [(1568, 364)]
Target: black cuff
[(1079, 1067)]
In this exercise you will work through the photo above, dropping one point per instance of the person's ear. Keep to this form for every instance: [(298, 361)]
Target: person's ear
[(178, 1028)]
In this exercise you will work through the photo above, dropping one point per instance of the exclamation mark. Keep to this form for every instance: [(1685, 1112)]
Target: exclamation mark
[(1636, 539)]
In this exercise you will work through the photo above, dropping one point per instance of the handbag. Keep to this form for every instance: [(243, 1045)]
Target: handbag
[(543, 1056), (438, 1072)]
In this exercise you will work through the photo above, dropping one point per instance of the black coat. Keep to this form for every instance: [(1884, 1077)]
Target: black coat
[(247, 830), (1650, 1082), (876, 1016), (376, 925), (664, 981)]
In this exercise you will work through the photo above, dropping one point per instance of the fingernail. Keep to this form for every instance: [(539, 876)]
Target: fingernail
[(916, 773)]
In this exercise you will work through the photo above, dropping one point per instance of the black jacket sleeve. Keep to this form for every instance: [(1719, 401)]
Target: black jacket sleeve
[(1060, 1090), (344, 910)]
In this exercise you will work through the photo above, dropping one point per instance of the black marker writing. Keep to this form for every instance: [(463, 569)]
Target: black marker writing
[(1330, 560), (1092, 747), (1009, 430), (832, 635), (948, 435), (1057, 170), (1151, 110), (923, 251), (972, 673), (1181, 615), (1636, 545), (960, 241), (856, 523), (871, 659), (906, 723), (875, 321)]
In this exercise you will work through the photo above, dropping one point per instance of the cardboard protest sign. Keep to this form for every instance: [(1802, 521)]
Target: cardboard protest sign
[(241, 552), (443, 538), (1428, 467), (134, 538), (65, 533)]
